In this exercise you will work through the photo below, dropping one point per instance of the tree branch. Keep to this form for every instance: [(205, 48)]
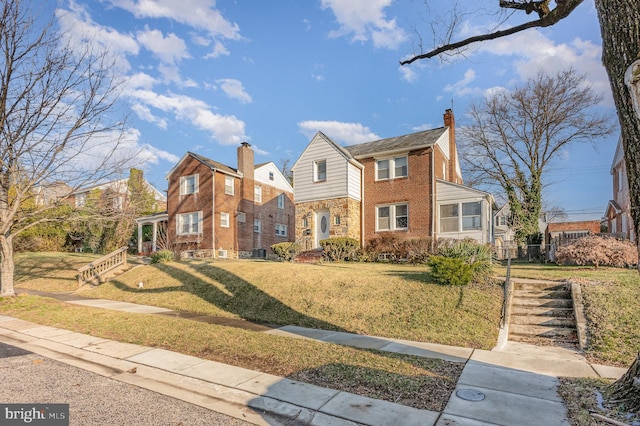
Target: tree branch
[(562, 10)]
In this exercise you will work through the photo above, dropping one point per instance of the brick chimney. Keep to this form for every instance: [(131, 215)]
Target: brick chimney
[(245, 161), (450, 122)]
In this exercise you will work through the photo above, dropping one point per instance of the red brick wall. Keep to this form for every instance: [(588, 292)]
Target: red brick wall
[(415, 189), (200, 201)]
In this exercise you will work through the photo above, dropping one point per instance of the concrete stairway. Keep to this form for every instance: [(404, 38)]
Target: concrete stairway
[(542, 314)]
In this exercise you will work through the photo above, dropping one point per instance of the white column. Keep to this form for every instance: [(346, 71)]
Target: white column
[(139, 237), (155, 237)]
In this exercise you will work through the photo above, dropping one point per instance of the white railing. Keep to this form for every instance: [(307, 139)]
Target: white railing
[(96, 270)]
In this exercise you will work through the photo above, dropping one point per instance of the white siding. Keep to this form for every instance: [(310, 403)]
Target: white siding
[(339, 173), (355, 182), (449, 193), (261, 174), (443, 143)]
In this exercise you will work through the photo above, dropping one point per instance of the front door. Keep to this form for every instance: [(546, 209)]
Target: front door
[(322, 226)]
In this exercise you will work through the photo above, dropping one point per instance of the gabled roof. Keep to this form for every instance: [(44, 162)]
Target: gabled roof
[(212, 164), (618, 156), (613, 205), (343, 151), (423, 139)]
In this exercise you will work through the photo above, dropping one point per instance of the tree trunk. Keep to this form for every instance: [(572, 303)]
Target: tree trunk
[(626, 390), (6, 266), (620, 48)]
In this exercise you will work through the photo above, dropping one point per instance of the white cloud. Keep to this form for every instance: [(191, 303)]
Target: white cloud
[(533, 51), (226, 129), (80, 30), (144, 113), (234, 90), (169, 49), (218, 50), (345, 133), (366, 20), (461, 87), (408, 74), (199, 14)]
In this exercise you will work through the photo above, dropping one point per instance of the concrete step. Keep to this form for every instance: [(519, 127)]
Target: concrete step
[(542, 303), (547, 321), (535, 286), (542, 311), (549, 294), (541, 331)]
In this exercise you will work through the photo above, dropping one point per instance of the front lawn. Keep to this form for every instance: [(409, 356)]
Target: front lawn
[(388, 300)]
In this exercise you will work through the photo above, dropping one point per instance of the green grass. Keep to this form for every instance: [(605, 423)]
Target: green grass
[(422, 382), (396, 301)]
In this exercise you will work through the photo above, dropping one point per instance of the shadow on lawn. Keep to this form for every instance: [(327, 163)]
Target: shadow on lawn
[(238, 297)]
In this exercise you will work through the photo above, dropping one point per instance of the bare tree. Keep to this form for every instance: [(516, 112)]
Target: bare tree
[(58, 122), (620, 50), (515, 136)]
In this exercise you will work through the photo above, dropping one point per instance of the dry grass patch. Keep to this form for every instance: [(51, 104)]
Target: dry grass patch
[(396, 301), (419, 382), (53, 272)]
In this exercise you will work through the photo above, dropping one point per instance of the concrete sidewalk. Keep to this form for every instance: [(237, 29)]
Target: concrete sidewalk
[(514, 386)]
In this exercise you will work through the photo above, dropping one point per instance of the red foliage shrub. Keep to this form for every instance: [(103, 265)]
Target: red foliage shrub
[(598, 251)]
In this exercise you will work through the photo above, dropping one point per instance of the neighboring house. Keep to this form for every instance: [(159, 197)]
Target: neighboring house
[(566, 232), (217, 211), (502, 233), (618, 214), (47, 194), (389, 186), (118, 191)]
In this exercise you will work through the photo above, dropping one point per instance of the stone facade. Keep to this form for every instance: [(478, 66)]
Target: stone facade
[(345, 214)]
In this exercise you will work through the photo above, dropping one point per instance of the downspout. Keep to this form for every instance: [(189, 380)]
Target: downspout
[(362, 207), (213, 213), (433, 198)]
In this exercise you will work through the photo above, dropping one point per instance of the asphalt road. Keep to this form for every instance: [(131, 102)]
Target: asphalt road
[(26, 377)]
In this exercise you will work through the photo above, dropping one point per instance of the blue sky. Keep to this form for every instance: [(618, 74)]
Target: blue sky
[(205, 75)]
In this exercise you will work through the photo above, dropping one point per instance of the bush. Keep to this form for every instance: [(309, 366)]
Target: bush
[(415, 250), (598, 251), (162, 256), (478, 256), (450, 270), (285, 251), (340, 248)]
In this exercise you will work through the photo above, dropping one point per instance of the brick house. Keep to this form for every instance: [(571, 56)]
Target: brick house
[(214, 210), (618, 214), (564, 232), (409, 185)]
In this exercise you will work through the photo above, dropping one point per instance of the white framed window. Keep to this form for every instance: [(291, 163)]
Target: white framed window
[(392, 168), (81, 200), (392, 217), (449, 217), (281, 230), (472, 216), (188, 184), (281, 201), (224, 219), (320, 171), (229, 185), (189, 223), (305, 222), (336, 220), (257, 226), (271, 176), (242, 217), (461, 217), (257, 194)]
